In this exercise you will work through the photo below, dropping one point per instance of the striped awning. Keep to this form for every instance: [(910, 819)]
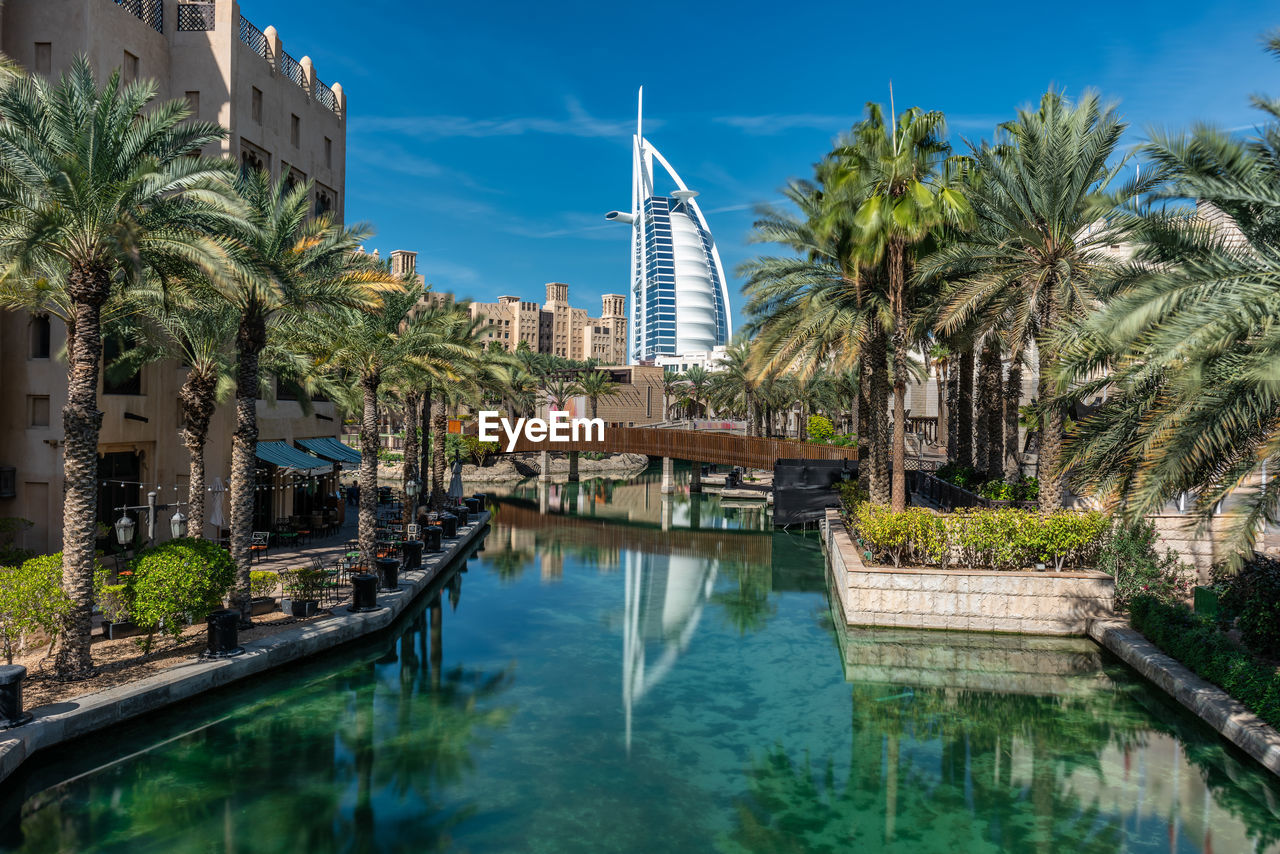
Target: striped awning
[(289, 458), (331, 449)]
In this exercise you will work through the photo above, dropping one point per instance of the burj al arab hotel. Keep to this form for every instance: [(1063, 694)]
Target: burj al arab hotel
[(679, 297)]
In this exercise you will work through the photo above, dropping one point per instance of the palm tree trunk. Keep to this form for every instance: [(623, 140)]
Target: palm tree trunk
[(250, 339), (425, 460), (878, 421), (964, 410), (595, 402), (370, 444), (953, 411), (898, 501), (81, 422), (1012, 397), (751, 412), (410, 439), (1050, 441), (943, 386), (198, 397), (988, 435), (439, 430)]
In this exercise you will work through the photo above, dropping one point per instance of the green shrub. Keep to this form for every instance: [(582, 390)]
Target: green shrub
[(31, 602), (964, 477), (821, 429), (1197, 643), (388, 456), (977, 538), (303, 582), (996, 490), (1128, 554), (1253, 598), (479, 452), (113, 599), (262, 583), (852, 494), (886, 533), (176, 581), (1071, 537)]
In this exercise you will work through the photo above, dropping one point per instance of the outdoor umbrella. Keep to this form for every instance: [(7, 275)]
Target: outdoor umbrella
[(217, 516)]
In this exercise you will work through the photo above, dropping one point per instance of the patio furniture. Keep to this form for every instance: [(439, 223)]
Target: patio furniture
[(259, 542)]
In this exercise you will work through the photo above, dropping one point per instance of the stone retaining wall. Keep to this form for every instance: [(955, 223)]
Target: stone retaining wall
[(1025, 602), (80, 716)]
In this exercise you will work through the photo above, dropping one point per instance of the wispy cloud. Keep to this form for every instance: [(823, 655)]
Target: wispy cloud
[(575, 122), (577, 225), (390, 157), (775, 123)]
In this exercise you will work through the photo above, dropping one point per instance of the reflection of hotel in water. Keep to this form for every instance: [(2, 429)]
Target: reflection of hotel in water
[(665, 595)]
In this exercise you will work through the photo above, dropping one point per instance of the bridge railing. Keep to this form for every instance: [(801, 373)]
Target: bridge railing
[(694, 446)]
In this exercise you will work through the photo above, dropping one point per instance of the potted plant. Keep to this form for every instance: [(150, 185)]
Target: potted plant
[(303, 587), (262, 584), (114, 602)]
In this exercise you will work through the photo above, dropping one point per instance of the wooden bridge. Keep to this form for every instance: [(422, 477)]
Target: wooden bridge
[(750, 452)]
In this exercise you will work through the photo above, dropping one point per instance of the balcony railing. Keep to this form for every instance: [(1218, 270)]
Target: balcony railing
[(195, 17), (253, 37), (149, 12), (291, 69), (325, 96)]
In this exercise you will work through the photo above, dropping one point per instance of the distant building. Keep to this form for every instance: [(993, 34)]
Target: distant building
[(708, 360), (281, 118), (554, 327), (679, 294)]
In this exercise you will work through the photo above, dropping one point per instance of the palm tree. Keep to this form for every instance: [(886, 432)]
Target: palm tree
[(1188, 347), (98, 190), (671, 383), (370, 346), (822, 310), (595, 385), (292, 268), (736, 382), (559, 391), (697, 379), (893, 173), (1048, 211)]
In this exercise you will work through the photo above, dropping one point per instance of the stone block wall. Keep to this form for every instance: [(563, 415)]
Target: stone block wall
[(1025, 602)]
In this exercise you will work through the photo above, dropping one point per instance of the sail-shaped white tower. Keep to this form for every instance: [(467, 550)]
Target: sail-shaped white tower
[(679, 295)]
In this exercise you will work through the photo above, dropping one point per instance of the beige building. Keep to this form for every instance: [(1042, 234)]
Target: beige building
[(554, 327), (557, 327), (282, 118)]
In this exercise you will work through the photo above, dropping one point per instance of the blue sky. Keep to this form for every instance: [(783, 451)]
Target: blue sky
[(492, 137)]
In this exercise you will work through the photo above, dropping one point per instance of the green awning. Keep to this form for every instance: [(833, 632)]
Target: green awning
[(331, 449), (289, 458)]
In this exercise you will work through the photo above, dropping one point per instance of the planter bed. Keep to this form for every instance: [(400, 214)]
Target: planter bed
[(1020, 601)]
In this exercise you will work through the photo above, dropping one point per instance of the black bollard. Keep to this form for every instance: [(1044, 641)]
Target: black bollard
[(483, 498), (431, 536), (224, 626), (474, 506), (463, 517), (11, 713), (364, 593), (389, 571), (448, 525), (412, 550)]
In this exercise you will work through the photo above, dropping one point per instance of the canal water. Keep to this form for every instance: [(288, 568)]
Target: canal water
[(621, 671)]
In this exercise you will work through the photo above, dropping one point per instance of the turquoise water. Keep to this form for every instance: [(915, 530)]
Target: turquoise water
[(619, 672)]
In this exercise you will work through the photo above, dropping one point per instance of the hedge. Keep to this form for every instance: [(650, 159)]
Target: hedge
[(1197, 643), (979, 538)]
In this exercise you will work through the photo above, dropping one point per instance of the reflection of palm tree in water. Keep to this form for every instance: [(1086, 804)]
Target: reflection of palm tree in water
[(436, 723), (748, 607)]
